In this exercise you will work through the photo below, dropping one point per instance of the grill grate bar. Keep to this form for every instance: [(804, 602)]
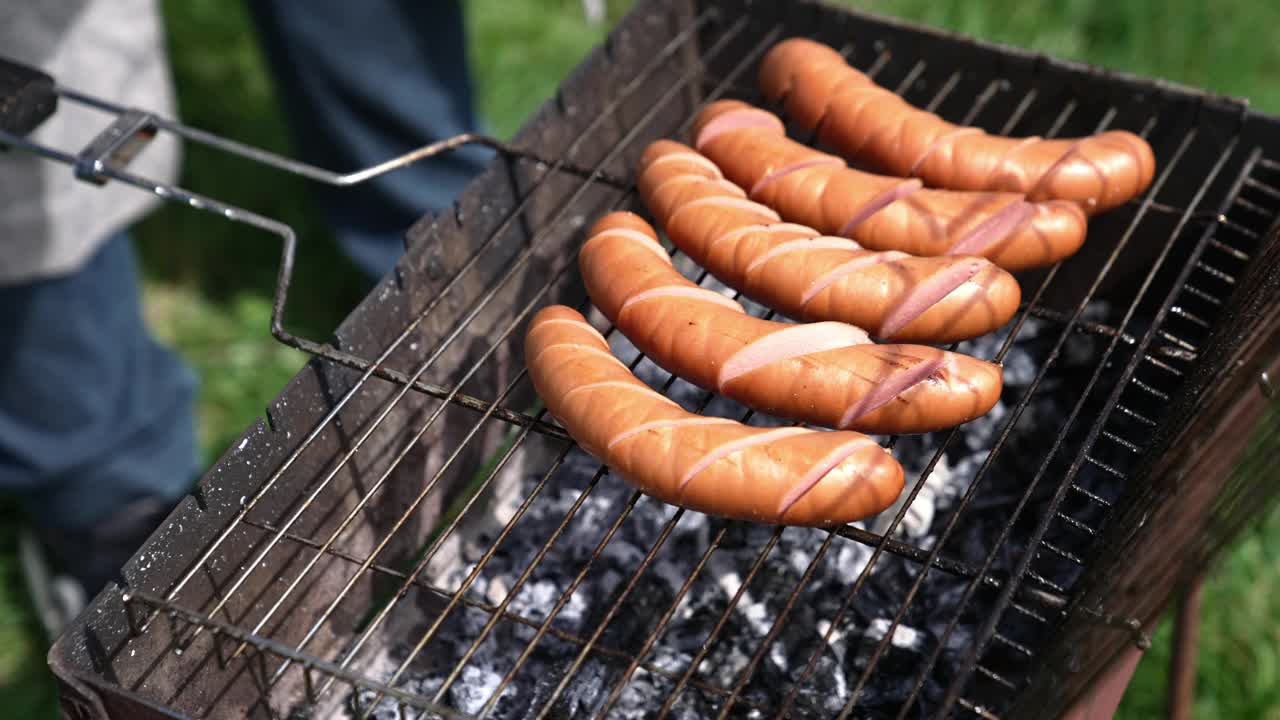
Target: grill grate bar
[(879, 63), (971, 492), (1136, 416), (1215, 272), (774, 629), (976, 710), (1029, 612), (1233, 252), (822, 550), (1000, 679), (1178, 341), (706, 399), (686, 678), (470, 402), (916, 71), (243, 576), (488, 608), (368, 494), (1245, 172), (749, 671), (1014, 644), (1076, 524), (1105, 467), (286, 234), (634, 84), (1147, 388), (604, 623), (980, 103), (407, 513), (662, 624), (1190, 317), (1252, 207), (1262, 187), (1081, 326), (506, 531), (1163, 366), (1066, 555), (1042, 579), (1020, 110), (1023, 500), (159, 604), (901, 549), (516, 587), (1237, 227), (953, 692), (564, 598), (885, 539), (943, 92), (617, 147), (921, 556), (1203, 295), (915, 490), (1066, 114), (1127, 445), (1165, 208)]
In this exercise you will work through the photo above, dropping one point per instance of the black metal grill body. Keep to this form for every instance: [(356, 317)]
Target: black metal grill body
[(329, 529)]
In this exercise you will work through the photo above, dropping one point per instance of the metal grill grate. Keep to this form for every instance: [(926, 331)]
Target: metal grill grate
[(339, 540)]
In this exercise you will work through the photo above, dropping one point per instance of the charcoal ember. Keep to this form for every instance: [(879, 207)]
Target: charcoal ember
[(895, 671), (474, 687), (800, 645), (636, 700)]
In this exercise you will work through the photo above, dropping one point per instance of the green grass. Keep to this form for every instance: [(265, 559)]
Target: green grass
[(208, 283)]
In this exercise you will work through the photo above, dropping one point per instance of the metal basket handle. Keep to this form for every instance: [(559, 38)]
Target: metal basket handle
[(28, 97)]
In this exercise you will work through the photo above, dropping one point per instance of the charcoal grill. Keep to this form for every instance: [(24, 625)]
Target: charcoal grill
[(318, 567)]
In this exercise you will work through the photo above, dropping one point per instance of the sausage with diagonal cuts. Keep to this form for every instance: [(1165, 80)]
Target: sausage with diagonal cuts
[(791, 476), (862, 120), (825, 373), (806, 276), (807, 186)]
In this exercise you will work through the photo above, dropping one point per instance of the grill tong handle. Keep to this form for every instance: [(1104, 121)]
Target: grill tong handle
[(27, 97)]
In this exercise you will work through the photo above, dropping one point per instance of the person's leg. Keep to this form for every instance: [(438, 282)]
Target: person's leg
[(97, 436), (366, 81)]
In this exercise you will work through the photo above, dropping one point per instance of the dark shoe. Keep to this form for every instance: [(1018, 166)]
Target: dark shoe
[(66, 568)]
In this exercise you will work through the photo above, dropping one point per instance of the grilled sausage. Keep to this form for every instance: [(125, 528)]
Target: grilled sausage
[(883, 213), (825, 373), (793, 270), (791, 476), (865, 121)]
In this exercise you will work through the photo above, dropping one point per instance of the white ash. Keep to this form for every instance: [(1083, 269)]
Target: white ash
[(838, 649)]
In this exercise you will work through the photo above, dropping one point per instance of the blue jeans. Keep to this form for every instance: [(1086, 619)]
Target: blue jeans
[(94, 414), (363, 82)]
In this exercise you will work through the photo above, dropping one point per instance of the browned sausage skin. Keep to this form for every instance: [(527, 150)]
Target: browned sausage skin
[(865, 121), (826, 373), (883, 213), (791, 476), (794, 270)]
